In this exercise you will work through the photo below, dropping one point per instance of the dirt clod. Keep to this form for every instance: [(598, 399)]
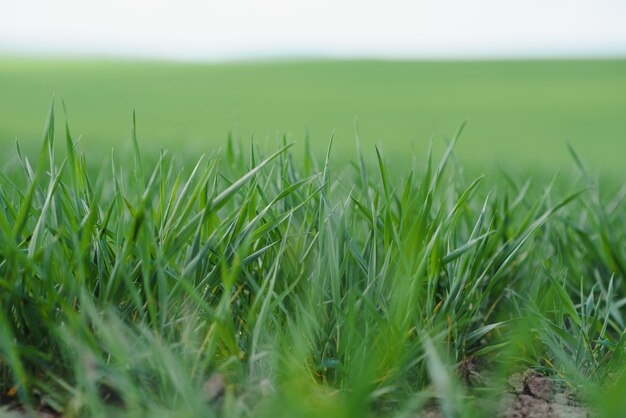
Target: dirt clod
[(516, 381), (534, 395), (540, 387)]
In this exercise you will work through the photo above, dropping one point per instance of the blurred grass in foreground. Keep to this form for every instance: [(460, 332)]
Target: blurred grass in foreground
[(256, 284)]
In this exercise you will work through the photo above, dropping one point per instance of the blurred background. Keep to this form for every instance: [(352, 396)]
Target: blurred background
[(529, 76)]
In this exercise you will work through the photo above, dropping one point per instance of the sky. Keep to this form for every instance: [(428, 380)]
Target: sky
[(240, 29)]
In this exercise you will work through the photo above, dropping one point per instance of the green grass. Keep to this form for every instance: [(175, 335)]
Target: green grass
[(521, 113), (314, 289)]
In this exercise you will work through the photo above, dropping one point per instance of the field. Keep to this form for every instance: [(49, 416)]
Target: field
[(322, 278), (517, 111)]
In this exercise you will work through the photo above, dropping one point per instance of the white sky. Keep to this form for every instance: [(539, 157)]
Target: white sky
[(225, 29)]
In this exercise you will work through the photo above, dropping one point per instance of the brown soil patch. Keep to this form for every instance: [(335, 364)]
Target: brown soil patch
[(534, 395)]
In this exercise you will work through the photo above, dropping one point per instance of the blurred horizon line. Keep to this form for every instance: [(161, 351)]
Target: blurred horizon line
[(286, 56)]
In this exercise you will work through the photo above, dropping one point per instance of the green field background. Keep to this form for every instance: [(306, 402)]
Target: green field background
[(520, 113)]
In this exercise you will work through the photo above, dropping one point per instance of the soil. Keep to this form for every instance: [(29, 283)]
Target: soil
[(534, 395), (20, 412), (531, 395)]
